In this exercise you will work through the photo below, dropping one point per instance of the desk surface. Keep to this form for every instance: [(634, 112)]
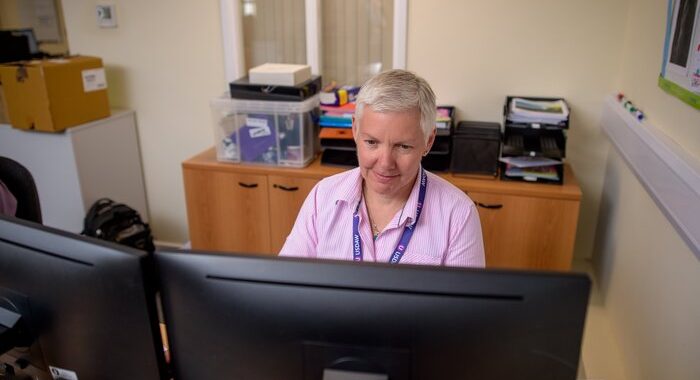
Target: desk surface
[(568, 190)]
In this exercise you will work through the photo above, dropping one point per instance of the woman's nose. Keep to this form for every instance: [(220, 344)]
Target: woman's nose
[(386, 158)]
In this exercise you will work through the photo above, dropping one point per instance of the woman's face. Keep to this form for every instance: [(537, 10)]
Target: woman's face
[(390, 146)]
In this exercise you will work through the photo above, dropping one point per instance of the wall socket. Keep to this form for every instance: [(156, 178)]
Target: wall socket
[(106, 16)]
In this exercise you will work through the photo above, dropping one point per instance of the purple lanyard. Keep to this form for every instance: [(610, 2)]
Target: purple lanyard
[(405, 236)]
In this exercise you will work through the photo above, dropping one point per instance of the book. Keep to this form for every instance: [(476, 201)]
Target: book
[(443, 117), (348, 108), (335, 124), (347, 121), (336, 133)]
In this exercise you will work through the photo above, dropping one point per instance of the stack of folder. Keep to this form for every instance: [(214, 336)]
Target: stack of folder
[(438, 159), (443, 119), (337, 143), (534, 141), (338, 146)]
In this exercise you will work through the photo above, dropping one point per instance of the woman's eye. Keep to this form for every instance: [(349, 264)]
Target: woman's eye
[(371, 142)]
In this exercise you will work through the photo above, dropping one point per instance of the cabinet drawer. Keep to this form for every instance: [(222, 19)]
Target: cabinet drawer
[(228, 211), (287, 194), (527, 232)]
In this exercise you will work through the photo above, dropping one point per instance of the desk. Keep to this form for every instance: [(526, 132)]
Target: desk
[(252, 208)]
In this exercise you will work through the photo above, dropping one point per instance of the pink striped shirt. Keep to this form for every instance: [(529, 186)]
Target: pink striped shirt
[(448, 231)]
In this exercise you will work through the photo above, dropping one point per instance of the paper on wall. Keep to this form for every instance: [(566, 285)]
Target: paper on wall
[(695, 69)]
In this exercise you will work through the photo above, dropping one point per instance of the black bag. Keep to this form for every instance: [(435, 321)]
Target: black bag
[(119, 223)]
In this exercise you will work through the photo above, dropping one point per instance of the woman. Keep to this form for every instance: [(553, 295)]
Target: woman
[(390, 209)]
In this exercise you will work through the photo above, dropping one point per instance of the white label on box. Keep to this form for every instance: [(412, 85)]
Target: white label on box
[(253, 122), (62, 374), (258, 127), (59, 60), (94, 80)]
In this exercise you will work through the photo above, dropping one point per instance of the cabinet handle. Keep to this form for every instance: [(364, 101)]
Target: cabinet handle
[(285, 188), (493, 206), (247, 185)]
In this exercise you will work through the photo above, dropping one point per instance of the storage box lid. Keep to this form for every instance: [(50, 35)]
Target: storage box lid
[(225, 103), (243, 89)]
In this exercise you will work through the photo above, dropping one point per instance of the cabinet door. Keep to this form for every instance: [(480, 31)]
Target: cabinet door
[(227, 211), (287, 194), (527, 232)]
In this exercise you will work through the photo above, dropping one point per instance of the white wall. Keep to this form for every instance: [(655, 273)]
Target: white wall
[(474, 53), (164, 61), (649, 281), (649, 278)]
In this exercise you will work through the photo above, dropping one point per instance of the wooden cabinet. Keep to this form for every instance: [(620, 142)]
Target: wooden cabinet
[(244, 208), (228, 211), (286, 195), (249, 208), (527, 232)]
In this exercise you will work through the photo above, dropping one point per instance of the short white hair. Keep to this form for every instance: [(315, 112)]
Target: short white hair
[(398, 91)]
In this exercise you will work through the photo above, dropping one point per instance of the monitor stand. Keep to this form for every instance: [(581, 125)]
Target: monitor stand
[(334, 374), (343, 362)]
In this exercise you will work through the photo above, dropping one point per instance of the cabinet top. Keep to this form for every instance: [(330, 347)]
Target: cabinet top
[(569, 190), (116, 113)]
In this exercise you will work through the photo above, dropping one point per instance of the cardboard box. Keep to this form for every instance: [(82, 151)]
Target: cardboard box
[(279, 74), (52, 95), (3, 113)]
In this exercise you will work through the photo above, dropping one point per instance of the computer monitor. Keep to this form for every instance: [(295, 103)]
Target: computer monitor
[(18, 45), (28, 33), (88, 306), (244, 317)]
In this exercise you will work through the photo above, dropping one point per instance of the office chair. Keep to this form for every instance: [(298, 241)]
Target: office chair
[(21, 184)]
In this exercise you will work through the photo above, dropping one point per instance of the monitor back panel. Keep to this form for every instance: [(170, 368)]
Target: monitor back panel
[(265, 318)]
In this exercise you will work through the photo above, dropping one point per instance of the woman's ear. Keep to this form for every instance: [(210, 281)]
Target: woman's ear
[(431, 140), (355, 128)]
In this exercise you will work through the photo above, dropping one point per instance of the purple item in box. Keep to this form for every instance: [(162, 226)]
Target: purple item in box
[(257, 136)]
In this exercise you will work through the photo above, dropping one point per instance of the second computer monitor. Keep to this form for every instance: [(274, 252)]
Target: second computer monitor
[(86, 308)]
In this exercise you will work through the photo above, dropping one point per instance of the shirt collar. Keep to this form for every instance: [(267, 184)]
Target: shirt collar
[(410, 209), (350, 192)]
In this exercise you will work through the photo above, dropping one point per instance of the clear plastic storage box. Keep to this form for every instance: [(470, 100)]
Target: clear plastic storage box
[(266, 132)]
